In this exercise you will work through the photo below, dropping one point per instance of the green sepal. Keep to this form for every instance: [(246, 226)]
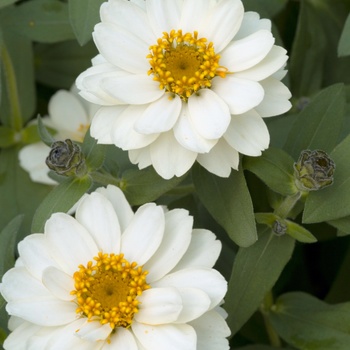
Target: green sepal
[(309, 323), (275, 169), (299, 233), (61, 199), (44, 134)]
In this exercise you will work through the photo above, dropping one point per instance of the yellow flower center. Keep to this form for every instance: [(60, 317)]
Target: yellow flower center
[(107, 289), (184, 63)]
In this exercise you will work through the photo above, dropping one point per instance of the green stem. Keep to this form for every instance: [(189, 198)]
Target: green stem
[(12, 89), (265, 309), (287, 205), (105, 179)]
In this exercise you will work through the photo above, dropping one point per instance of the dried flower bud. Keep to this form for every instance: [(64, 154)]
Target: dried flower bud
[(313, 171), (66, 158), (279, 227)]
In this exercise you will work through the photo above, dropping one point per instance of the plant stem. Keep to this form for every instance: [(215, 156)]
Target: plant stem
[(12, 89), (287, 205), (105, 179), (265, 309)]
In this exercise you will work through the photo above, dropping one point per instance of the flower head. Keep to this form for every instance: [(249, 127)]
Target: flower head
[(112, 278), (70, 116), (184, 81)]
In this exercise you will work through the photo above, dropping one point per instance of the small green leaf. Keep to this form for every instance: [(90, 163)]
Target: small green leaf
[(255, 271), (299, 233), (83, 15), (308, 323), (60, 199), (142, 186), (311, 129), (8, 238), (332, 202), (266, 218), (275, 169), (344, 42), (44, 21), (228, 201), (44, 134), (94, 153), (7, 137)]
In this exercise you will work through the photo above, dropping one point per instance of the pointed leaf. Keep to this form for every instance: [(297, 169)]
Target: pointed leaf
[(275, 169), (308, 323), (228, 201), (344, 42), (44, 134), (255, 271), (60, 199), (299, 233), (311, 129)]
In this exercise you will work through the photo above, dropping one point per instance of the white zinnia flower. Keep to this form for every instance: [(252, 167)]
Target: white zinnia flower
[(183, 80), (114, 279), (70, 115)]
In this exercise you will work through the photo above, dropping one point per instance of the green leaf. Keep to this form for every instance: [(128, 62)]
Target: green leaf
[(228, 201), (8, 237), (311, 129), (58, 65), (342, 224), (94, 153), (142, 186), (18, 194), (332, 202), (4, 3), (299, 233), (308, 323), (266, 8), (258, 347), (344, 42), (44, 21), (44, 134), (266, 218), (255, 271), (30, 134), (7, 137), (275, 169), (60, 199), (83, 15)]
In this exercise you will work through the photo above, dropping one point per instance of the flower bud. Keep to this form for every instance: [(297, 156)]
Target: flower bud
[(66, 158), (279, 227), (313, 171)]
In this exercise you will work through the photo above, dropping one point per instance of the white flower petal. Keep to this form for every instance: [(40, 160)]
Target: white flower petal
[(159, 116), (121, 339), (19, 337), (252, 23), (66, 111), (248, 134), (169, 158), (35, 255), (212, 331), (169, 336), (274, 60), (58, 283), (202, 252), (195, 303), (187, 135), (121, 12), (121, 206), (241, 95), (141, 157), (176, 239), (94, 331), (164, 15), (98, 216), (121, 47), (159, 306), (18, 284), (135, 89), (69, 242), (276, 99), (123, 130), (144, 234), (222, 23), (209, 114), (208, 280), (245, 53), (220, 160)]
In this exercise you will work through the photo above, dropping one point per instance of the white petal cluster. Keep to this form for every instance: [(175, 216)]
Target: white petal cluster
[(180, 310), (70, 116), (216, 123)]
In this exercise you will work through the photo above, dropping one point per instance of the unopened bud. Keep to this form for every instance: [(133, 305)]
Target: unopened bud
[(313, 171), (66, 158), (279, 228)]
